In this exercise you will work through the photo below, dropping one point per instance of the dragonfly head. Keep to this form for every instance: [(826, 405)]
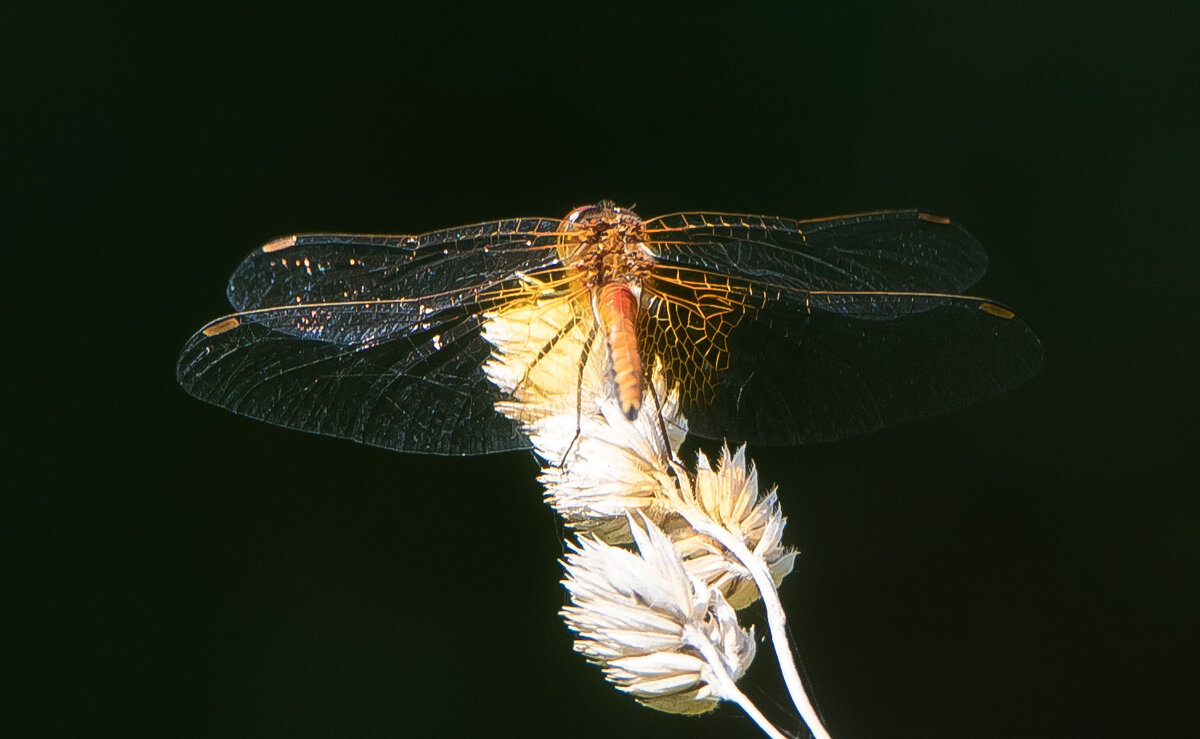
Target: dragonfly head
[(606, 211)]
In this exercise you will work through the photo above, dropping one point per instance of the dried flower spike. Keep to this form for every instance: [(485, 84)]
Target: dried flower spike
[(729, 496), (658, 633)]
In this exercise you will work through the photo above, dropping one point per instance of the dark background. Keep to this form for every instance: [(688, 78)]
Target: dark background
[(1025, 567)]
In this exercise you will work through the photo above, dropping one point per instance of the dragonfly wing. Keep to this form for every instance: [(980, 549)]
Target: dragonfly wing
[(440, 267), (904, 251), (420, 390), (822, 367)]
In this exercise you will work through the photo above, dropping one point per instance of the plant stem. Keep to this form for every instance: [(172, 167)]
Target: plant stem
[(775, 616), (726, 685)]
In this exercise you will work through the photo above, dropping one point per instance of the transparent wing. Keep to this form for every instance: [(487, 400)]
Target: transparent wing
[(781, 367), (420, 390), (442, 268), (904, 251)]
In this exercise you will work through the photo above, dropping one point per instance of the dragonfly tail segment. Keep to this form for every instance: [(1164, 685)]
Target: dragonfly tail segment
[(616, 310)]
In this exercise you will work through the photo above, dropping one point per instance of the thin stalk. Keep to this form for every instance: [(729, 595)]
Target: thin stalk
[(727, 686), (775, 617)]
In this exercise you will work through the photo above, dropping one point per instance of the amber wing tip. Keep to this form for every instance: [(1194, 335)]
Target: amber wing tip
[(999, 311), (220, 327), (277, 244)]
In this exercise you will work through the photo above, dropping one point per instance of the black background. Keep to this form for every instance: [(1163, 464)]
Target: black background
[(1025, 567)]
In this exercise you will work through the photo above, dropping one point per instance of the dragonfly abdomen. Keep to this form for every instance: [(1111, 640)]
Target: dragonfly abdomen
[(616, 306)]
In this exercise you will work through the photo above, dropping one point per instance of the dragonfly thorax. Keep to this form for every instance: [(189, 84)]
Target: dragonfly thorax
[(605, 243)]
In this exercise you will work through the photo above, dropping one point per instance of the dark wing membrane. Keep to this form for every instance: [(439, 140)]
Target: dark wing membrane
[(422, 390), (904, 251), (826, 366), (442, 267)]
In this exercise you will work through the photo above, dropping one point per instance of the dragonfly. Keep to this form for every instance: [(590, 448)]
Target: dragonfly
[(774, 330)]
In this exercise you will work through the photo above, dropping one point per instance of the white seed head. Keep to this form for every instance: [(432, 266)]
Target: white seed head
[(643, 618), (729, 496)]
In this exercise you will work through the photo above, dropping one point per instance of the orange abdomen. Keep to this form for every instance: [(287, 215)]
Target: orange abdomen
[(616, 309)]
